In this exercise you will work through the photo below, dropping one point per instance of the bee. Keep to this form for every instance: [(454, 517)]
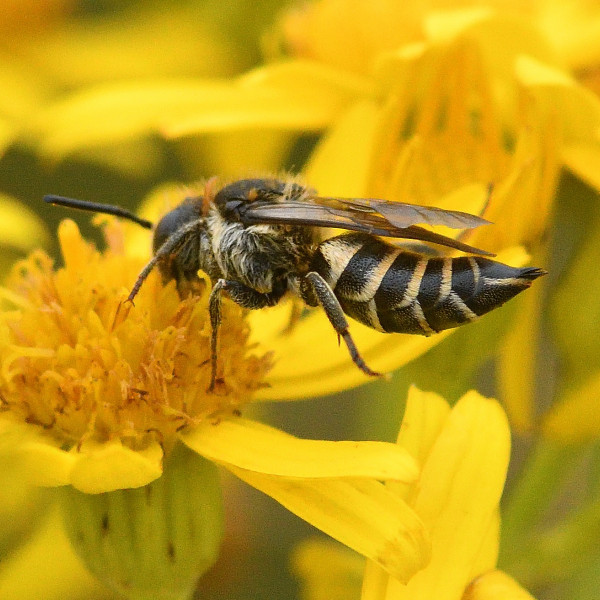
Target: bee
[(260, 239)]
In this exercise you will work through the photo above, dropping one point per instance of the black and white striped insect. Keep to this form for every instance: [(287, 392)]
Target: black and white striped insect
[(259, 239)]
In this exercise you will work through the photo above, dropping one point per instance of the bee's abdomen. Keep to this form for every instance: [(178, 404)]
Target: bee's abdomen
[(393, 290)]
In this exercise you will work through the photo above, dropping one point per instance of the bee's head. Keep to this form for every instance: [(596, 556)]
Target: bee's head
[(232, 199), (175, 219)]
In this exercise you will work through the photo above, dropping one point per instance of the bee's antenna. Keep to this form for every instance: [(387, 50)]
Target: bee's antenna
[(107, 209)]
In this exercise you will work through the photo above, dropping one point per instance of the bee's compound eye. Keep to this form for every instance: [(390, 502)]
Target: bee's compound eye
[(173, 221)]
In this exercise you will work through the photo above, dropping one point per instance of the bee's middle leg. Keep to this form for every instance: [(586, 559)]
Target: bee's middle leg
[(244, 296)]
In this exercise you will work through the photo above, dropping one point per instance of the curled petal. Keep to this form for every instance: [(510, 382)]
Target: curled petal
[(37, 455), (362, 514), (113, 466), (94, 468), (496, 585)]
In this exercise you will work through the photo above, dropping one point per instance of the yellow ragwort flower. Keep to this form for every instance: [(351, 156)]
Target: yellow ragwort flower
[(98, 395), (464, 453)]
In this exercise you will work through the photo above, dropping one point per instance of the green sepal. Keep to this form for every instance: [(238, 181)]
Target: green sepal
[(154, 541)]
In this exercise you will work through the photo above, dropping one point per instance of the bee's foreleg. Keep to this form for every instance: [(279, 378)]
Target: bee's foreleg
[(335, 314), (214, 311), (243, 295)]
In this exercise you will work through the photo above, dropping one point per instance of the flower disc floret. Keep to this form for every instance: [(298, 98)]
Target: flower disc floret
[(82, 363)]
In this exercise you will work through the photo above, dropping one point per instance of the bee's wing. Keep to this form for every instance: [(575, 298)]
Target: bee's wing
[(368, 215), (403, 215)]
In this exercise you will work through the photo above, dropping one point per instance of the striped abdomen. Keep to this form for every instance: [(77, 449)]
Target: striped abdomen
[(394, 290)]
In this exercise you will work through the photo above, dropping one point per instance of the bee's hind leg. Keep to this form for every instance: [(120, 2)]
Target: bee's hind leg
[(331, 305)]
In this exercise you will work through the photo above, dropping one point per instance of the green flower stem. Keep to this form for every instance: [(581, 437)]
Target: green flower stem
[(155, 541), (539, 483)]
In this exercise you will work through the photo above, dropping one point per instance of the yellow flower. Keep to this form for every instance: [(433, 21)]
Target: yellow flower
[(326, 570), (464, 455), (69, 46), (50, 46), (463, 452), (58, 573), (443, 121), (465, 96), (407, 131), (99, 395)]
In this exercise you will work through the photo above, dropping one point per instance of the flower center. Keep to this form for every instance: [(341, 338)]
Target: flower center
[(78, 361)]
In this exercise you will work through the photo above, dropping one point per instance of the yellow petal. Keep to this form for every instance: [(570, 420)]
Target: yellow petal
[(489, 548), (256, 447), (584, 160), (235, 154), (35, 453), (112, 466), (168, 41), (518, 358), (449, 24), (46, 567), (7, 133), (574, 28), (45, 464), (575, 416), (362, 514), (579, 109), (96, 467), (21, 505), (496, 585), (25, 88), (500, 38), (115, 112), (375, 583), (459, 491), (300, 74), (293, 96), (309, 362), (20, 227), (424, 417), (339, 164), (327, 570)]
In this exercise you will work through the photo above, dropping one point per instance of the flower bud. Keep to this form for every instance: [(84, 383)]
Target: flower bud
[(154, 541)]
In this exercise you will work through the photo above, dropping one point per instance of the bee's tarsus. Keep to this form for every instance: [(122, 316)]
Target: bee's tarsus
[(357, 358)]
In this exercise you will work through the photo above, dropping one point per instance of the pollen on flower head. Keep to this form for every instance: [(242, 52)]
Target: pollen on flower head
[(78, 361)]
